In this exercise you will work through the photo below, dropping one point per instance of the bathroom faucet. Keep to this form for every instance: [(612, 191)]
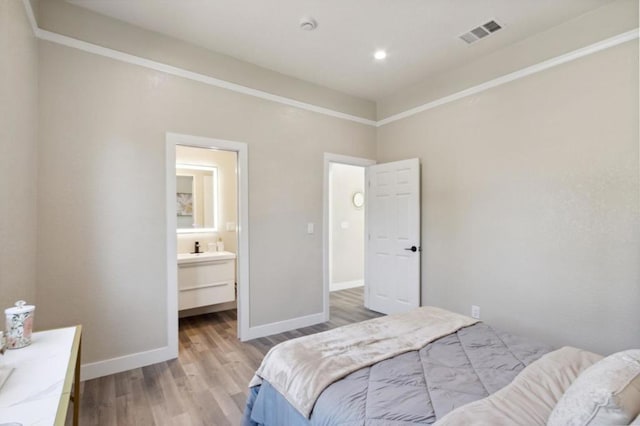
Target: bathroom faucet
[(197, 247)]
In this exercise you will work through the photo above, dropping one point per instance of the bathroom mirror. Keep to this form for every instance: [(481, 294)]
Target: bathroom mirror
[(196, 198)]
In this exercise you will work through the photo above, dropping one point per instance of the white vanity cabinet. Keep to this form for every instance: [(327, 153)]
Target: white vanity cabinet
[(206, 279)]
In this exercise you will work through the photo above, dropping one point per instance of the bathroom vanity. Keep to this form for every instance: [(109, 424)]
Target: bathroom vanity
[(206, 279)]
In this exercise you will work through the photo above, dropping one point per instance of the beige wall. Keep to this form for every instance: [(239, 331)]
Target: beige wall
[(347, 243), (608, 21), (64, 18), (102, 196), (530, 202), (226, 162), (18, 155), (530, 190)]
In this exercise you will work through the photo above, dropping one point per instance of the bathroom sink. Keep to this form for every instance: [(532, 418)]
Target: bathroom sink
[(205, 257)]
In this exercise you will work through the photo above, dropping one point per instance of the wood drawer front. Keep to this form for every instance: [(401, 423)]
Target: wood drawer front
[(213, 293), (203, 273)]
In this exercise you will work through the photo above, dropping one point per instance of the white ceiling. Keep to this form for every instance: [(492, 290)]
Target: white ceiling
[(420, 36)]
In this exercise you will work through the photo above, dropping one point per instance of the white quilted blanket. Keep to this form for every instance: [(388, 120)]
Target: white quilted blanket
[(300, 369)]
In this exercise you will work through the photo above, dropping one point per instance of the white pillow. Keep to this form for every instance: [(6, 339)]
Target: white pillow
[(607, 393)]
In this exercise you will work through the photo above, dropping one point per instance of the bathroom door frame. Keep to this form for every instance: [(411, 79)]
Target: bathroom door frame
[(242, 174), (326, 241)]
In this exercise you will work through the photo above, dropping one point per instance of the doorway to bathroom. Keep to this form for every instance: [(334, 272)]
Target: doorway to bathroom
[(206, 216), (344, 233), (207, 243)]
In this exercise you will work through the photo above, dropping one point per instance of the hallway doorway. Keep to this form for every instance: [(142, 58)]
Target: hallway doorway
[(344, 226)]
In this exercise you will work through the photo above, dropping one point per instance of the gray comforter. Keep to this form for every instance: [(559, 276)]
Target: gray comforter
[(417, 387)]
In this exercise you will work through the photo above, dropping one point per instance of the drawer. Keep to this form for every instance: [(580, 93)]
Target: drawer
[(203, 273), (207, 294)]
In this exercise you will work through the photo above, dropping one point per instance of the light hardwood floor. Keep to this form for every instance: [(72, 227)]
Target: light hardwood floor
[(207, 384)]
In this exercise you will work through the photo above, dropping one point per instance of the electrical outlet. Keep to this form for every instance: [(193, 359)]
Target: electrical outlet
[(475, 311)]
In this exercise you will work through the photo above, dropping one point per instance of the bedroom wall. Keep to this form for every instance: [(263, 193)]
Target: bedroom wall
[(18, 155), (530, 202), (102, 251), (101, 248)]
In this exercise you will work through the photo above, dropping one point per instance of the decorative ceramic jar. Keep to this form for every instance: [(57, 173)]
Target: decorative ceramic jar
[(19, 325)]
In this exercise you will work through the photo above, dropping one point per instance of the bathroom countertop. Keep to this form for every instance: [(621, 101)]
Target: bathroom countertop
[(207, 256)]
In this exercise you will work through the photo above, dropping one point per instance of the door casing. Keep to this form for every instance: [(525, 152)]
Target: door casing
[(328, 159), (243, 300)]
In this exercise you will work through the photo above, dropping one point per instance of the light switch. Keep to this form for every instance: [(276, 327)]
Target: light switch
[(344, 225), (231, 226), (310, 228)]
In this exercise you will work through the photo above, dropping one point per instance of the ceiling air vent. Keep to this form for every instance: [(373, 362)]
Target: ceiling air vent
[(481, 32)]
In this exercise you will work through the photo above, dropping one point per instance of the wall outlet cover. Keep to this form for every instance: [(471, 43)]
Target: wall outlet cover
[(475, 311)]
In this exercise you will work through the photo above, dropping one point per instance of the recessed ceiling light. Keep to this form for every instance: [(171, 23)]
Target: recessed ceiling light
[(380, 55)]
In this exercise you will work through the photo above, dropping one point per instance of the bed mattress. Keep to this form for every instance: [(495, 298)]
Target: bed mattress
[(417, 387)]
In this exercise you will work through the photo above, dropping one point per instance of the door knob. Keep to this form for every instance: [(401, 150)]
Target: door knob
[(412, 248)]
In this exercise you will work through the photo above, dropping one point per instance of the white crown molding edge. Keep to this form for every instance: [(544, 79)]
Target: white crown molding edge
[(194, 76), (516, 75), (31, 17), (180, 72)]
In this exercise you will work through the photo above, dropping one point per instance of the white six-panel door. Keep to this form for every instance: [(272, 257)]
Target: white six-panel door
[(392, 266)]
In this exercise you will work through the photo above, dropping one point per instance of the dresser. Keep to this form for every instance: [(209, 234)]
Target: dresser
[(46, 377)]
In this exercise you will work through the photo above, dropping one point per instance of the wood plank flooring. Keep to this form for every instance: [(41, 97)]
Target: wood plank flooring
[(207, 384)]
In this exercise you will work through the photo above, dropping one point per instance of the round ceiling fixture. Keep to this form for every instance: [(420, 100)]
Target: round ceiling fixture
[(308, 24), (380, 55)]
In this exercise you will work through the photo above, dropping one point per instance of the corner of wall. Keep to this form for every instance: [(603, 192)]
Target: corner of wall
[(18, 152)]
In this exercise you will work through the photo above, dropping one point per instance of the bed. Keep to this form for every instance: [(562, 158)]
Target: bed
[(471, 373)]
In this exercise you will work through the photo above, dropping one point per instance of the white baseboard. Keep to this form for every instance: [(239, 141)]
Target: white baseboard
[(282, 326), (208, 309), (124, 363), (142, 359), (343, 285)]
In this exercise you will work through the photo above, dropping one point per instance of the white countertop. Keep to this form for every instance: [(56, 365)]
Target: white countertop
[(205, 257), (32, 393)]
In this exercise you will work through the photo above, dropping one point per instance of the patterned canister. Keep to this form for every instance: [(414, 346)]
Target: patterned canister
[(19, 324)]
